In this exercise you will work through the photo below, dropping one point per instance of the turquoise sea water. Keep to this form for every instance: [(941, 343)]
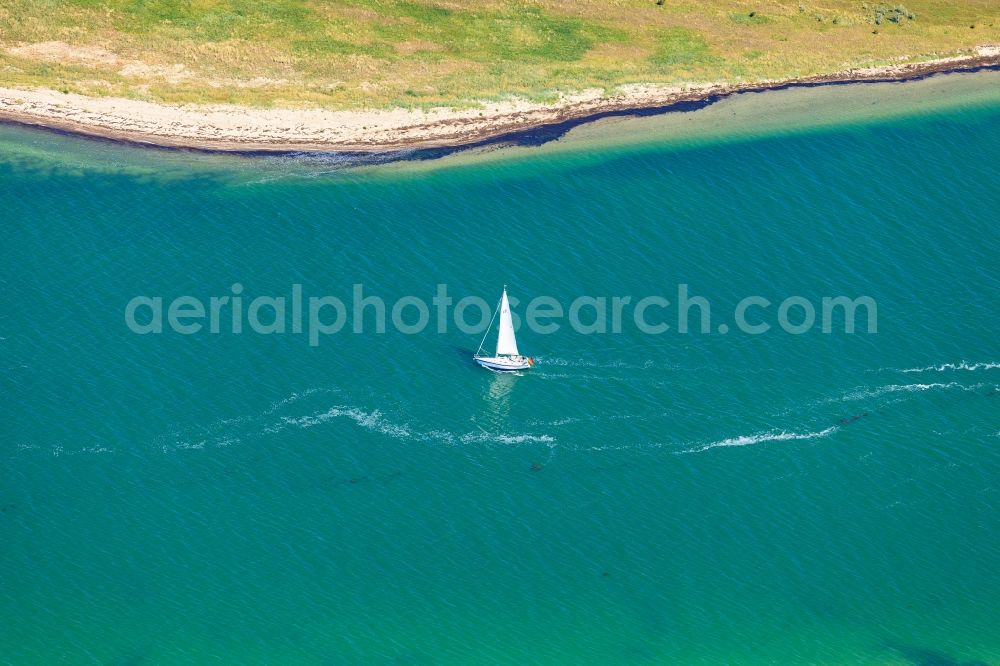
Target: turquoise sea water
[(377, 499)]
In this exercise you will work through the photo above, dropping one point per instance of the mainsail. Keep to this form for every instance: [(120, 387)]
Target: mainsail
[(506, 344)]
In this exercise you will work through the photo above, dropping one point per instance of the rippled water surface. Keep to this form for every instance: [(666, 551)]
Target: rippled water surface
[(701, 498)]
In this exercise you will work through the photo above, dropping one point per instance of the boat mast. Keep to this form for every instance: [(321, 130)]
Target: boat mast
[(483, 341)]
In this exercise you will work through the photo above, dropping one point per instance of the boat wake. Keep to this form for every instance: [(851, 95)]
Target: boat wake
[(946, 367), (761, 438), (276, 419), (369, 420), (322, 406), (864, 393), (962, 366), (585, 363), (681, 448), (503, 438), (231, 431)]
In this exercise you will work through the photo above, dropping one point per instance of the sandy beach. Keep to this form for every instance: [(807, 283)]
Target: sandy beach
[(235, 128)]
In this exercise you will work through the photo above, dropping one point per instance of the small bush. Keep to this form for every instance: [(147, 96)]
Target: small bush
[(895, 14), (753, 18)]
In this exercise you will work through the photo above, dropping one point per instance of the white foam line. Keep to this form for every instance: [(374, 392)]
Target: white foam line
[(440, 435), (580, 363), (95, 449), (505, 438), (370, 420), (58, 450), (759, 438), (964, 365), (861, 394), (376, 422), (225, 432), (275, 406)]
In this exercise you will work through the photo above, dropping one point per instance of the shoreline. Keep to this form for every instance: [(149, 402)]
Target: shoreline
[(385, 134)]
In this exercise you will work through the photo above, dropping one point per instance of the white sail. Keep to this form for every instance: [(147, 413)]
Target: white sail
[(506, 344)]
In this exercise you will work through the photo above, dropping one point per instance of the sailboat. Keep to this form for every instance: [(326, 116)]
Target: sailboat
[(507, 358)]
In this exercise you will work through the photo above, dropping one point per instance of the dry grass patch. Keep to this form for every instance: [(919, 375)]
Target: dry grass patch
[(367, 53)]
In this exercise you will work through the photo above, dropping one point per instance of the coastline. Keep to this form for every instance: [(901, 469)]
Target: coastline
[(242, 130)]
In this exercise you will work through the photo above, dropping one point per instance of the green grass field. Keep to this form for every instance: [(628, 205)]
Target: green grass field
[(378, 53)]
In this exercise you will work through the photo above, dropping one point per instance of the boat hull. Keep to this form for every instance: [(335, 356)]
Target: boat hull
[(503, 363)]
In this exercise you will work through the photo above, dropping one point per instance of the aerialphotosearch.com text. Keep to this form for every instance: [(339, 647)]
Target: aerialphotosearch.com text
[(318, 317)]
